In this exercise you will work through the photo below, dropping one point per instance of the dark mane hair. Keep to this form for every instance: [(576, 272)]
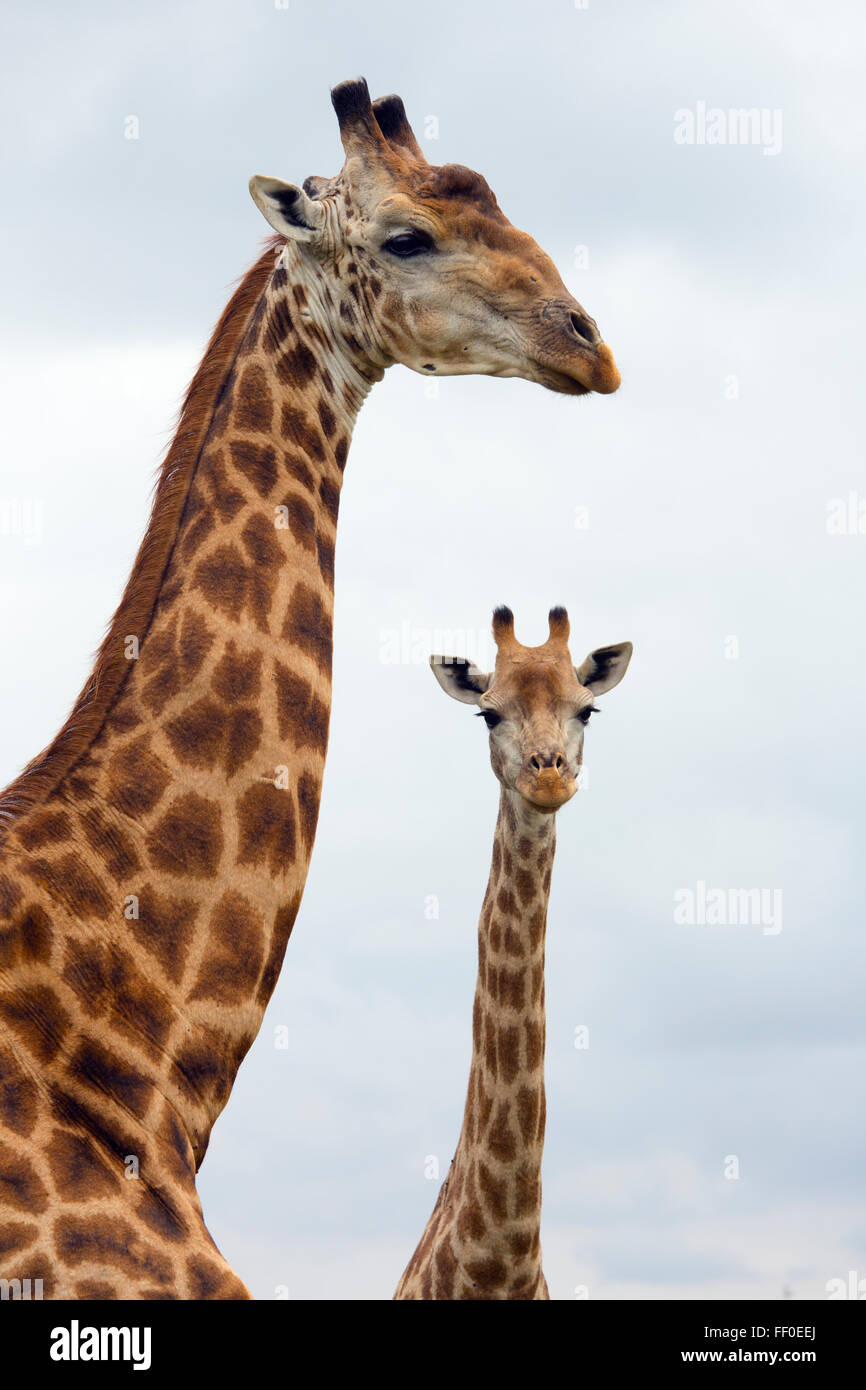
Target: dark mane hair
[(136, 607)]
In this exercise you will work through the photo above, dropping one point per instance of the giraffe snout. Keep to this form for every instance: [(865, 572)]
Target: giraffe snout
[(569, 349), (545, 779)]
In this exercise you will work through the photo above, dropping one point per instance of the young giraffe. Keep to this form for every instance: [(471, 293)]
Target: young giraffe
[(153, 857), (483, 1239)]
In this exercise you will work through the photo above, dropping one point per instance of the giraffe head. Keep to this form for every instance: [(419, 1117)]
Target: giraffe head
[(536, 704), (426, 269)]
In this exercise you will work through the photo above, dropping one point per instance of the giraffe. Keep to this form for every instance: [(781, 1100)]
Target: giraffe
[(153, 857), (483, 1238)]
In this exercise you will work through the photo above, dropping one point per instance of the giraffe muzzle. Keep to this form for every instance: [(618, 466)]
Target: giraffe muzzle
[(570, 354), (576, 366), (546, 786)]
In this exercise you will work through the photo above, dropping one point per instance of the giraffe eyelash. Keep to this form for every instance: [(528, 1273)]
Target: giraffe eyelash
[(412, 242), (490, 717), (584, 714)]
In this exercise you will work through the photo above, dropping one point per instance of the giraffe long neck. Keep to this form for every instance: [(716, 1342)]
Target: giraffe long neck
[(483, 1239), (168, 862)]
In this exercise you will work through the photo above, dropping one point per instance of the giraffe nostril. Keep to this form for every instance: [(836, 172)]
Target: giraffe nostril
[(584, 328), (541, 759)]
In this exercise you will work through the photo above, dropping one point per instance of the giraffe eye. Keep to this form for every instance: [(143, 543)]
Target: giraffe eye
[(490, 717), (407, 244), (584, 714)]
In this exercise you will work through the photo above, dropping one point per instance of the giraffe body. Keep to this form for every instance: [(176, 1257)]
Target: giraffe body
[(148, 897), (483, 1239), (153, 858)]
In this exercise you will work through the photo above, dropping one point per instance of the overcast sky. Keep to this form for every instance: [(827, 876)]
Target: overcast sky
[(689, 513)]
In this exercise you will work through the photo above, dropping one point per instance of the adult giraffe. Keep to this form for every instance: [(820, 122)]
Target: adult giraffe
[(153, 857)]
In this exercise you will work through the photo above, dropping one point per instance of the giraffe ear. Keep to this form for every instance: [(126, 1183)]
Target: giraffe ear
[(605, 667), (459, 678), (287, 208)]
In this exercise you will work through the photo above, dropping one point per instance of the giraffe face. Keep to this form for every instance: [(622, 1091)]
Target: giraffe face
[(451, 288), (537, 705), (426, 267)]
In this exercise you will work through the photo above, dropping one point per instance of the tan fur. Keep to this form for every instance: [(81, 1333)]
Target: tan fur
[(483, 1239), (153, 858)]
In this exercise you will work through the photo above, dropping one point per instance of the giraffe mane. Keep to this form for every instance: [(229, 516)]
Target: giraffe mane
[(135, 610)]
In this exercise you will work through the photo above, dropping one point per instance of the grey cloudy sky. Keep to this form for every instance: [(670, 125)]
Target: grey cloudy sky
[(688, 510)]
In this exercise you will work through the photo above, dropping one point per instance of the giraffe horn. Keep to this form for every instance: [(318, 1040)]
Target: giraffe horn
[(503, 627), (394, 124), (358, 124), (560, 628)]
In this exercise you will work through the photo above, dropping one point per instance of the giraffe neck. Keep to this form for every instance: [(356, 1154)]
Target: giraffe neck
[(167, 861), (497, 1165), (483, 1238)]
